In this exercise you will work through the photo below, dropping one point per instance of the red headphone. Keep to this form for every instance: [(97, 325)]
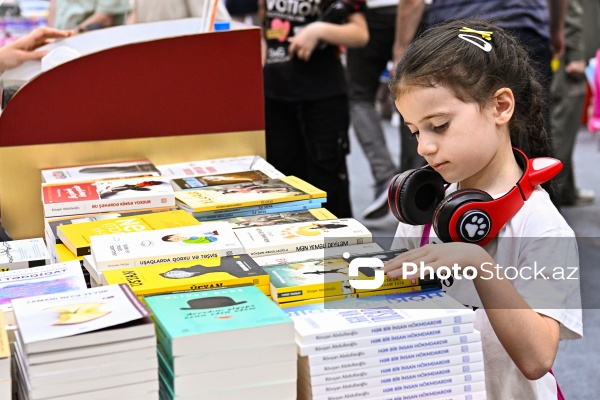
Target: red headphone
[(416, 197)]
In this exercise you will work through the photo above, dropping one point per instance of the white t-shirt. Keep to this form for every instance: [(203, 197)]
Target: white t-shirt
[(537, 236)]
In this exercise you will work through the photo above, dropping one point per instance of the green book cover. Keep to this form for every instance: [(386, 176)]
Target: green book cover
[(221, 319)]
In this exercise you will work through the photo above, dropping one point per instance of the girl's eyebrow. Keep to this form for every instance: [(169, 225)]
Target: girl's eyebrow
[(430, 116)]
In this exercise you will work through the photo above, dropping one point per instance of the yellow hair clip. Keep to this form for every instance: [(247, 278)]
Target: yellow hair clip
[(487, 35)]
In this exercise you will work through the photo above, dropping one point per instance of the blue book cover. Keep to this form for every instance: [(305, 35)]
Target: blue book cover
[(221, 319), (263, 209)]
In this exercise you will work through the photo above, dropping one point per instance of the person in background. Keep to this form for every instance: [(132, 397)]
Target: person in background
[(364, 67), (568, 99), (84, 15), (469, 94), (24, 48), (306, 102), (162, 10)]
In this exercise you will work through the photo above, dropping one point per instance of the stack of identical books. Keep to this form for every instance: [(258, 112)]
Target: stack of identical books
[(224, 344), (5, 379), (88, 344), (399, 346)]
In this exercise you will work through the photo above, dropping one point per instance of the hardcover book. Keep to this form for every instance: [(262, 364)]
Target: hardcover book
[(302, 236), (218, 319), (229, 178), (317, 214), (46, 279), (23, 253), (77, 318), (104, 196), (93, 172), (186, 243), (317, 255), (77, 236), (219, 166), (208, 273), (397, 313), (246, 194)]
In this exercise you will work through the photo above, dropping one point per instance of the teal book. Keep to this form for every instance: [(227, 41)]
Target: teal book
[(222, 319)]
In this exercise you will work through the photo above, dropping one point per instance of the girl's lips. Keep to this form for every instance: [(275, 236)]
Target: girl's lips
[(438, 165)]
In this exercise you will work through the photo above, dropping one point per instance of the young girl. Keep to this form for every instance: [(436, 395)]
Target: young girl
[(306, 106), (469, 96)]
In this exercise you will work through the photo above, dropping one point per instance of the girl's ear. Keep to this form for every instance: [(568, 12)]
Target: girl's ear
[(504, 105)]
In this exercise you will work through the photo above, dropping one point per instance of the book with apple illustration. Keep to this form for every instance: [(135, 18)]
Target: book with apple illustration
[(66, 320)]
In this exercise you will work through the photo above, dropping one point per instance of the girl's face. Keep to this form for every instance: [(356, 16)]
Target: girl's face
[(459, 140)]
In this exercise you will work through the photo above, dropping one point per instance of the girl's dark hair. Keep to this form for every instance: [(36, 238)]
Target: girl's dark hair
[(438, 57)]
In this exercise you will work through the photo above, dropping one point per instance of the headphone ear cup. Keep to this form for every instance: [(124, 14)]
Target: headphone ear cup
[(447, 207), (414, 195)]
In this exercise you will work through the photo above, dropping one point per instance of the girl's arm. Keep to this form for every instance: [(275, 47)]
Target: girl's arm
[(529, 338), (354, 33)]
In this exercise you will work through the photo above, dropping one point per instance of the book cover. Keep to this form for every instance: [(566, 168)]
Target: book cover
[(229, 178), (77, 236), (317, 214), (218, 319), (51, 224), (186, 243), (46, 279), (64, 315), (208, 273), (302, 236), (256, 193), (104, 196), (23, 253), (317, 255), (392, 313), (93, 172), (289, 206), (219, 166)]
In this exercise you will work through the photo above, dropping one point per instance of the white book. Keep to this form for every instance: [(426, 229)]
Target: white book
[(302, 236), (316, 255), (225, 360), (470, 352), (393, 338), (394, 349), (79, 318), (403, 383), (78, 198), (285, 390), (219, 165), (91, 172), (404, 312), (23, 253), (185, 243), (471, 390), (445, 365), (90, 266), (45, 279)]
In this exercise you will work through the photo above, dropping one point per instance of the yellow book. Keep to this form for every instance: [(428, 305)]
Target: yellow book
[(77, 236), (63, 254), (383, 292), (4, 347), (208, 273), (316, 301), (286, 189)]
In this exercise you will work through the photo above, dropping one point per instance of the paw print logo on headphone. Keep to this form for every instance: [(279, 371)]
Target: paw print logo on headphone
[(417, 197)]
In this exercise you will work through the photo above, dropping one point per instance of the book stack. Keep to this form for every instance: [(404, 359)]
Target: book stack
[(46, 279), (192, 169), (405, 345), (313, 281), (208, 273), (224, 344), (89, 344), (5, 379), (284, 194)]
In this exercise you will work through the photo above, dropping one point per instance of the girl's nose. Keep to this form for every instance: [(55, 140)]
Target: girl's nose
[(427, 145)]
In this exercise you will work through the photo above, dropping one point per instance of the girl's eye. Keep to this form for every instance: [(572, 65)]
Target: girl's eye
[(441, 128), (414, 134)]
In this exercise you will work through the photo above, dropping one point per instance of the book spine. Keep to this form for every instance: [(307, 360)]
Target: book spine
[(253, 212), (167, 258), (307, 292), (444, 364), (406, 382), (391, 339), (94, 206), (371, 362), (391, 350), (367, 330), (279, 248), (272, 208), (238, 204)]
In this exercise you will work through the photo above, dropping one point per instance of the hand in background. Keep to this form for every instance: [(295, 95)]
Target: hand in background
[(23, 49), (303, 43), (576, 68)]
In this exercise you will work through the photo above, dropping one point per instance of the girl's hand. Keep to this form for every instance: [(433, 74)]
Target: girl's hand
[(436, 256), (303, 43)]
